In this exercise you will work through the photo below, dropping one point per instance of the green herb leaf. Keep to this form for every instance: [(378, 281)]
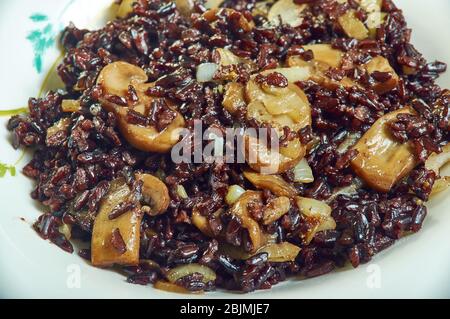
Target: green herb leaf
[(4, 168), (12, 112), (38, 17)]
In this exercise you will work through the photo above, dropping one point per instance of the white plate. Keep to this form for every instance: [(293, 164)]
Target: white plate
[(417, 266)]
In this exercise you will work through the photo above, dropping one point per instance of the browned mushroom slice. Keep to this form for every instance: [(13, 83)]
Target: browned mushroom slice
[(275, 209), (155, 194), (116, 241), (382, 161), (325, 57), (287, 11), (240, 209), (268, 161), (375, 17), (226, 57), (115, 79), (290, 101), (325, 53), (276, 184), (352, 26), (381, 65), (279, 108), (233, 99), (185, 7)]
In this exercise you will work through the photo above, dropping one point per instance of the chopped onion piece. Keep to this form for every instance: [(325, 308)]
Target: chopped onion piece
[(234, 192), (275, 183), (70, 106), (206, 71), (184, 270), (349, 141), (436, 161), (318, 216), (440, 185), (181, 191), (213, 4), (303, 172), (170, 287), (276, 209), (347, 190), (66, 230), (281, 252)]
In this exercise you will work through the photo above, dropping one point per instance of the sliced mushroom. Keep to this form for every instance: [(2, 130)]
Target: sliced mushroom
[(317, 215), (279, 107), (325, 57), (275, 209), (185, 7), (370, 5), (240, 210), (127, 226), (290, 101), (381, 64), (268, 161), (374, 21), (382, 161), (115, 79), (287, 11), (155, 194), (352, 26), (226, 57), (276, 184), (325, 53), (234, 97)]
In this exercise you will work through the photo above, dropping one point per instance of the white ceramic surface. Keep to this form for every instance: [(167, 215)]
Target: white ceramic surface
[(417, 266)]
